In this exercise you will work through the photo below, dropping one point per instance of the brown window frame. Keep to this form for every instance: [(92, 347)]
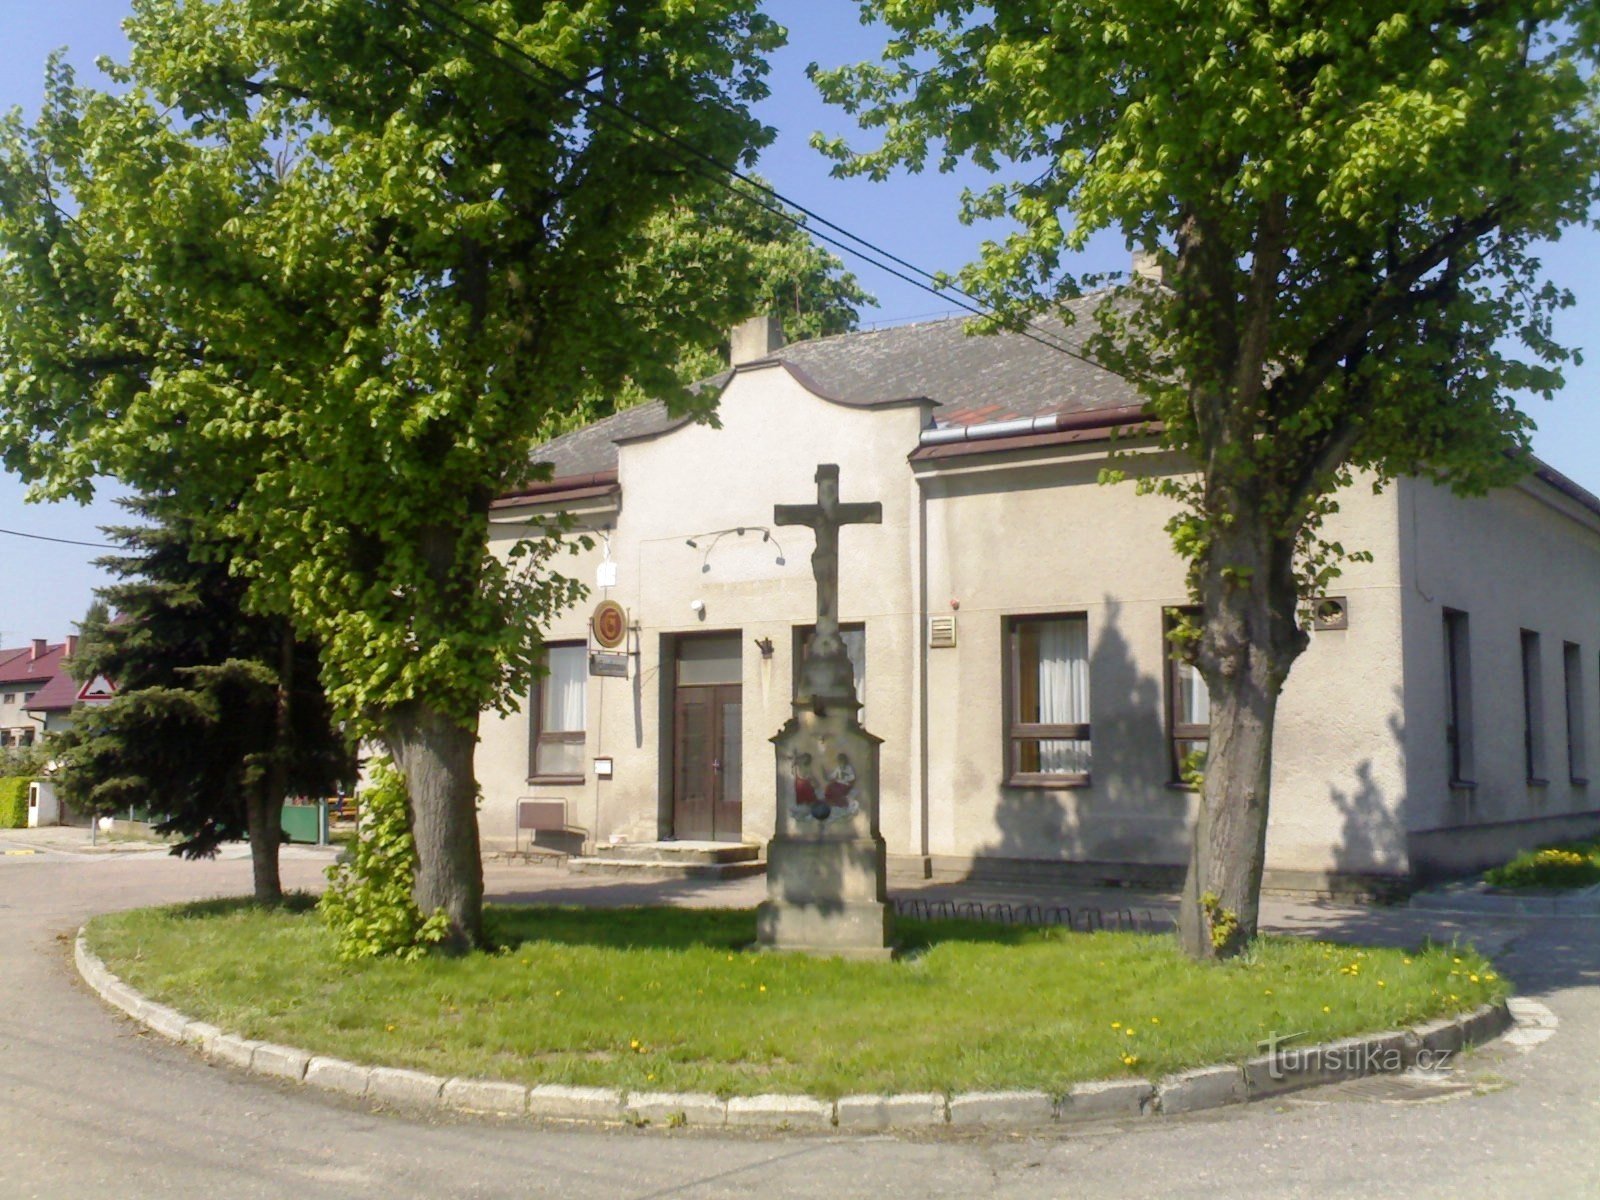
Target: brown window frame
[(1533, 716), (1458, 696), (1015, 732), (1572, 696), (536, 734), (1178, 731)]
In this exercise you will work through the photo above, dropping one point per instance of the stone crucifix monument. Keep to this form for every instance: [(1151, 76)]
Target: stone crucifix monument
[(825, 863)]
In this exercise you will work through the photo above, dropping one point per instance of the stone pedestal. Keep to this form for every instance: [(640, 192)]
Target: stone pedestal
[(825, 864)]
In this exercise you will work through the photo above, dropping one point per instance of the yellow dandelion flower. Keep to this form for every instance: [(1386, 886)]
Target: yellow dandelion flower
[(1129, 1031), (1155, 1020), (1325, 1008), (1116, 1024), (1381, 983), (1474, 978), (1266, 991), (389, 1028), (763, 987)]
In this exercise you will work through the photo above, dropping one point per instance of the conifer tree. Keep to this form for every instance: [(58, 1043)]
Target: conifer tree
[(218, 714)]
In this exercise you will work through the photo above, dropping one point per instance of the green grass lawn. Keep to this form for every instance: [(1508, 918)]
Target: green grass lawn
[(671, 999)]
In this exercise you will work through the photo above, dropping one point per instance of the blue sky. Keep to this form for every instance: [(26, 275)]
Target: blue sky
[(46, 587)]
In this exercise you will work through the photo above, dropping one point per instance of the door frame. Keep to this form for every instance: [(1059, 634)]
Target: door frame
[(667, 774)]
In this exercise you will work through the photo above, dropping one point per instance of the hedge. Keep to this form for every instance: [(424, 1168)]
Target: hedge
[(14, 802)]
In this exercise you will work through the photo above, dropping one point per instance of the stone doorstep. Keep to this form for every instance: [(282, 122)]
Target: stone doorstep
[(1188, 1091), (667, 1109), (794, 1112)]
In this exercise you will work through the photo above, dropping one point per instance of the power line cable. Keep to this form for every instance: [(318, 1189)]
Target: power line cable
[(39, 537), (948, 293)]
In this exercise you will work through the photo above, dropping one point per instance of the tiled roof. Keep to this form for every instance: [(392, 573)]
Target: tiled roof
[(59, 695), (974, 380), (19, 666)]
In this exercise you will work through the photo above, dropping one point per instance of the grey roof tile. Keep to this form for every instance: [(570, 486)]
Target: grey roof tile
[(974, 379)]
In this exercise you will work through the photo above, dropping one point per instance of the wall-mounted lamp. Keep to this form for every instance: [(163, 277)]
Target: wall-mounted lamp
[(764, 644), (698, 608)]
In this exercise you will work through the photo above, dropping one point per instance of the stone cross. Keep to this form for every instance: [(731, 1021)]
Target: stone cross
[(827, 674), (825, 516)]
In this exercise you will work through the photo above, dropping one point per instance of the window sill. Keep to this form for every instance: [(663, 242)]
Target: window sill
[(1576, 781), (1463, 785), (556, 780), (1536, 782), (1046, 783)]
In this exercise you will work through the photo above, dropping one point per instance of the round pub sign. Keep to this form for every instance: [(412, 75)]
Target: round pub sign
[(610, 624)]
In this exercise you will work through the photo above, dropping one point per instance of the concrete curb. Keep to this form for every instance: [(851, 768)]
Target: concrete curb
[(1289, 1069)]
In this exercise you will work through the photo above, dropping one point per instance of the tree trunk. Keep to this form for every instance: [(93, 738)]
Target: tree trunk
[(1250, 640), (264, 816), (435, 756)]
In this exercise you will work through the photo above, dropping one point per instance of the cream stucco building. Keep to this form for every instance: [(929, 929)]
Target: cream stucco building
[(1008, 622)]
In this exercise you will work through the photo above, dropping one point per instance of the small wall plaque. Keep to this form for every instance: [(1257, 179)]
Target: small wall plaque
[(610, 624), (602, 768), (614, 666)]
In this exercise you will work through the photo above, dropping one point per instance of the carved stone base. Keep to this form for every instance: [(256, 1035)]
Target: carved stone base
[(826, 898)]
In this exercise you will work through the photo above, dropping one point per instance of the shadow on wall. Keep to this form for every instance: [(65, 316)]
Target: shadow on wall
[(1372, 838), (1129, 814)]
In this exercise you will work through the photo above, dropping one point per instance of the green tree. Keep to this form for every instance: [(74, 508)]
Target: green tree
[(348, 262), (794, 278), (218, 714), (1348, 199)]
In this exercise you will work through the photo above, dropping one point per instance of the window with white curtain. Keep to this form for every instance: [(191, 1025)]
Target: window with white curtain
[(1188, 709), (560, 699), (1047, 720)]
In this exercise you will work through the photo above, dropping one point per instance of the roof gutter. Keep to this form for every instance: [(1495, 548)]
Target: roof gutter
[(1104, 418)]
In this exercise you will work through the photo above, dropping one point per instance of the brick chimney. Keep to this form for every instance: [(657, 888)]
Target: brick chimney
[(40, 646), (753, 340), (72, 645)]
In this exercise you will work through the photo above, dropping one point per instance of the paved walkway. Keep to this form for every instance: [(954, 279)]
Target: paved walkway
[(93, 1108)]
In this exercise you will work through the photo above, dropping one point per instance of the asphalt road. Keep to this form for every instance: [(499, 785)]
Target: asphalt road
[(90, 1107)]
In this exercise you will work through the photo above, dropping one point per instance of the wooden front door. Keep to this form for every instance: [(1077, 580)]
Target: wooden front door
[(707, 762)]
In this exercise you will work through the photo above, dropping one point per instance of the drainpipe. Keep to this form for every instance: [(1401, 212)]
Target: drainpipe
[(1104, 418)]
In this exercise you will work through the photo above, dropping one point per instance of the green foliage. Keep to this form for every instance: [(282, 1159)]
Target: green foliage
[(1347, 208), (194, 729), (368, 904), (343, 266), (1569, 865), (14, 802), (29, 760)]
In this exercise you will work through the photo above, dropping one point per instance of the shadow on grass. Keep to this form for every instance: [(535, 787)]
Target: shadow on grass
[(722, 929), (225, 906)]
